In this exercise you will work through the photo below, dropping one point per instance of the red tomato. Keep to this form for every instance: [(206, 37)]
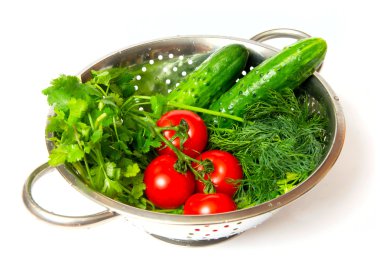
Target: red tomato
[(197, 132), (201, 204), (165, 187), (226, 168)]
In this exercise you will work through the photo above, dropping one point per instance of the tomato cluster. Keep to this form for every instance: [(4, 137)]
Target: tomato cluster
[(181, 172)]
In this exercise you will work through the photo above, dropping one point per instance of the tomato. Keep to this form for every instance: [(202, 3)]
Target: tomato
[(196, 133), (226, 174), (202, 204), (165, 187)]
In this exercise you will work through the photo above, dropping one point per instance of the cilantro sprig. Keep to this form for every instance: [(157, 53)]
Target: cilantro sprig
[(94, 129)]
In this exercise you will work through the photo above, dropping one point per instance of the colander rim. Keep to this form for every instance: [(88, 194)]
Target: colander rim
[(129, 211)]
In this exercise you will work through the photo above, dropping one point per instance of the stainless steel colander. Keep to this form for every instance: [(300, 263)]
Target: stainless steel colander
[(159, 65)]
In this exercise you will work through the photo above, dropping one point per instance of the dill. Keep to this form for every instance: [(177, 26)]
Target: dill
[(281, 142)]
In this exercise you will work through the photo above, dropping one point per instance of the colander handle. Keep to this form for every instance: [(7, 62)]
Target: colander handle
[(52, 217), (279, 33), (282, 33)]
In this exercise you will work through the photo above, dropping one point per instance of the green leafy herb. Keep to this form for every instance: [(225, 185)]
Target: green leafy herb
[(97, 128), (158, 103), (100, 128), (281, 142)]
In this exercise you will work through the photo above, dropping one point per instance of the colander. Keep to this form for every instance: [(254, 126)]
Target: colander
[(159, 65)]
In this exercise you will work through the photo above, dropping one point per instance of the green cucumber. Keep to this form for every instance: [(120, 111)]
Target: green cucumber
[(289, 68), (154, 77), (211, 78)]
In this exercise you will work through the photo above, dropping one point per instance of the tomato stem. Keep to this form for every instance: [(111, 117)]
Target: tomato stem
[(184, 162)]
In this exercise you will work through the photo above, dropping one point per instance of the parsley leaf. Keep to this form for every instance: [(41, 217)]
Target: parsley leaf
[(96, 128), (158, 103), (118, 80), (146, 140), (64, 88), (65, 153), (77, 108), (132, 170)]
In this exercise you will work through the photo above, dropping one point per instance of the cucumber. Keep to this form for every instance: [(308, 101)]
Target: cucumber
[(154, 77), (289, 68), (211, 78)]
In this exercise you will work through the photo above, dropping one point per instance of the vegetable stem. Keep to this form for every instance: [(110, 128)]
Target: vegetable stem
[(115, 128), (84, 156), (100, 89), (205, 111), (182, 157), (196, 109)]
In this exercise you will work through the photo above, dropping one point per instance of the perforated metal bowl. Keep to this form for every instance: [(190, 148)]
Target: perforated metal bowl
[(171, 59)]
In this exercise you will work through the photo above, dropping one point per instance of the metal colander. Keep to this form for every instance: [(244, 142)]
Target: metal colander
[(158, 66)]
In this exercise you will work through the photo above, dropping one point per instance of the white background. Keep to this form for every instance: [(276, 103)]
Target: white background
[(336, 223)]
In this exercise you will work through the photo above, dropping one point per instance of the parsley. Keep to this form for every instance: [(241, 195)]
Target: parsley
[(98, 129)]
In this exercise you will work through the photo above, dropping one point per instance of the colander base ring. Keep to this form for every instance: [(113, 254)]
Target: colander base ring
[(193, 243)]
